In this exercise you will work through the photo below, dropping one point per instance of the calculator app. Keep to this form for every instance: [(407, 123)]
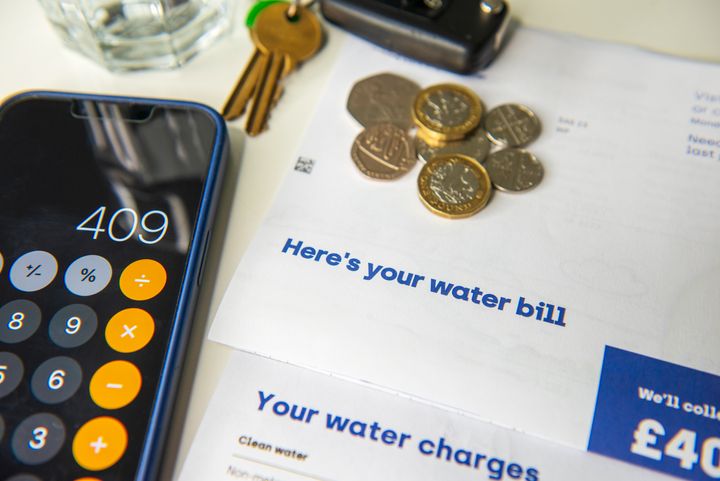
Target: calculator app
[(98, 202)]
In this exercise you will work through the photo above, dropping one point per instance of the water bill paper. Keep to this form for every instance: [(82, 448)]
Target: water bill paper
[(584, 311), (272, 421)]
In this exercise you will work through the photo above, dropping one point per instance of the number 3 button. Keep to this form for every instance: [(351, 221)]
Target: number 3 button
[(38, 438), (56, 380)]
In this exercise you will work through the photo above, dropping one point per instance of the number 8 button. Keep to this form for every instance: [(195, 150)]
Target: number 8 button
[(18, 321)]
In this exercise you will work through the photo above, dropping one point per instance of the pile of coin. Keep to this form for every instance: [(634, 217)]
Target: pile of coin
[(466, 151)]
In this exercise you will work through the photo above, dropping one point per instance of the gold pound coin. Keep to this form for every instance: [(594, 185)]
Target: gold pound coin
[(431, 138), (447, 112), (454, 185), (383, 151)]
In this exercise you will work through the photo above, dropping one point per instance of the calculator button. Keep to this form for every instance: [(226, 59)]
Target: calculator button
[(24, 477), (56, 380), (143, 280), (88, 275), (33, 271), (73, 325), (115, 385), (99, 443), (2, 261), (129, 330), (11, 373), (38, 438), (18, 321)]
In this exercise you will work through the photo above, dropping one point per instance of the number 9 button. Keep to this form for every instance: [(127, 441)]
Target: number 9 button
[(73, 325)]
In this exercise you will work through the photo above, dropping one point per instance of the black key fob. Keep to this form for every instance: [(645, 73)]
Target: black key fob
[(458, 35)]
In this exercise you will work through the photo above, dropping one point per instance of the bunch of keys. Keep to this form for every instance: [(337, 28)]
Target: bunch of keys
[(284, 35)]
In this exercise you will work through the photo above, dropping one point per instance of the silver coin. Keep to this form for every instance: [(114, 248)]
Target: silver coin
[(383, 98), (383, 152), (514, 170), (476, 145), (512, 125)]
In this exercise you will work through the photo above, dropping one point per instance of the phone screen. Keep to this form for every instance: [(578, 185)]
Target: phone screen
[(99, 201)]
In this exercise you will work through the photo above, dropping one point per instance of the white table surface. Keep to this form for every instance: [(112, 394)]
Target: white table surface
[(32, 57)]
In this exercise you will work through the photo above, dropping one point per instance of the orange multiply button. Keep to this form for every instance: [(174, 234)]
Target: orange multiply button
[(143, 279), (129, 330), (115, 384), (99, 443)]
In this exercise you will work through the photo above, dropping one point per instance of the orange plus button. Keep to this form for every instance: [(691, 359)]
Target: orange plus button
[(129, 330), (143, 280), (99, 443), (115, 384)]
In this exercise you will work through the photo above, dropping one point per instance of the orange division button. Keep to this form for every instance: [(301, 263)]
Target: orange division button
[(129, 330), (99, 443), (143, 280), (115, 384)]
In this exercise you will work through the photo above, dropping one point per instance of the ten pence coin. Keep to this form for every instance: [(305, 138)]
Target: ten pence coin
[(383, 151)]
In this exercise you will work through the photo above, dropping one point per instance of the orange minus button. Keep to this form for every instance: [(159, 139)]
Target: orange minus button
[(115, 385), (99, 443), (143, 280)]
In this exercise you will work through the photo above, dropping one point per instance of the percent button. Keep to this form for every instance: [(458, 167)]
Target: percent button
[(143, 279), (88, 275)]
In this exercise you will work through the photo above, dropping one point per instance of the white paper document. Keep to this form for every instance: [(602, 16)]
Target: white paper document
[(271, 421), (584, 311)]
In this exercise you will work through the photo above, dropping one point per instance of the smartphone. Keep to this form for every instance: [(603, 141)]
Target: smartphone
[(106, 210)]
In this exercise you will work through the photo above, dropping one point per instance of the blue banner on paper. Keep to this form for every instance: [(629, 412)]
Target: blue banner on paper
[(658, 415)]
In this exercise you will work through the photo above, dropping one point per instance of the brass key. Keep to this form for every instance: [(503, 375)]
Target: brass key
[(244, 88), (284, 42), (243, 91)]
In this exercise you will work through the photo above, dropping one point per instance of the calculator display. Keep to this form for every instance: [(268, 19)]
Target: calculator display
[(98, 208)]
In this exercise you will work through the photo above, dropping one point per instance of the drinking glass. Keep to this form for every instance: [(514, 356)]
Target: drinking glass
[(139, 34)]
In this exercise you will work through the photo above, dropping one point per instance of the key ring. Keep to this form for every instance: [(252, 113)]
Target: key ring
[(294, 7)]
